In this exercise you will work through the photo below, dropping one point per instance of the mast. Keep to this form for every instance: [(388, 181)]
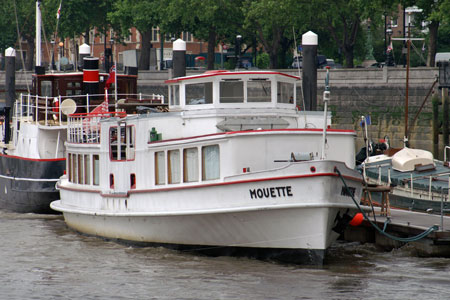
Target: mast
[(38, 33)]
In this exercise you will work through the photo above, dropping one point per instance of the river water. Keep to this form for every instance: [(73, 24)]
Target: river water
[(40, 258)]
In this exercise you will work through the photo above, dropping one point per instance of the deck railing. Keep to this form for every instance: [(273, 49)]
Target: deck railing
[(53, 111), (84, 128)]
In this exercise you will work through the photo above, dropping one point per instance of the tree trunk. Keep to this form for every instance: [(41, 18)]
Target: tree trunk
[(431, 59), (30, 54), (144, 60), (87, 36), (211, 47), (349, 55)]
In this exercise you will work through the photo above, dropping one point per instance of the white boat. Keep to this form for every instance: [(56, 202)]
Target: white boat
[(232, 168)]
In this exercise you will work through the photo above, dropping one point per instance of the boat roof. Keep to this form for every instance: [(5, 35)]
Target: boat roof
[(220, 73)]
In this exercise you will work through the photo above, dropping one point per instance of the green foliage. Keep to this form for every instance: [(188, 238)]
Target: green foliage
[(262, 61)]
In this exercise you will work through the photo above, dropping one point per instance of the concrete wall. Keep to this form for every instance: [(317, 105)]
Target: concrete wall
[(379, 93)]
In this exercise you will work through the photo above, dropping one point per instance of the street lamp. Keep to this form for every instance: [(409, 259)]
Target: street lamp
[(238, 52), (389, 60), (53, 54)]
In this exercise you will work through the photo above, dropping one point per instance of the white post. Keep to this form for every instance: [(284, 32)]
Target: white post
[(326, 98), (38, 33), (429, 188), (412, 185)]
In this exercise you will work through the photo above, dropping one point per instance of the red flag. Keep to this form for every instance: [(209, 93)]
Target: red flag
[(111, 77), (58, 14)]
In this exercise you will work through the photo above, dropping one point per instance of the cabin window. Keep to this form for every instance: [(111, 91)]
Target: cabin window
[(210, 162), (46, 88), (96, 169), (87, 170), (160, 168), (173, 164), (175, 99), (111, 181), (285, 92), (258, 91), (69, 167), (80, 168), (133, 181), (121, 142), (199, 93), (231, 91), (190, 165)]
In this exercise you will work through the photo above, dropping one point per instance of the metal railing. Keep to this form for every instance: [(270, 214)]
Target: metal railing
[(49, 111), (84, 128)]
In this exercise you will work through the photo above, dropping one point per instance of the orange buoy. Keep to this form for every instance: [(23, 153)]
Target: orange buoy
[(357, 219)]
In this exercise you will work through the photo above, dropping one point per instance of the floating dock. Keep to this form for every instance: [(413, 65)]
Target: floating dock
[(404, 224)]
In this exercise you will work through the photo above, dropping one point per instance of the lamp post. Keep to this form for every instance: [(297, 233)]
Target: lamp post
[(238, 52), (111, 42), (389, 49), (53, 54)]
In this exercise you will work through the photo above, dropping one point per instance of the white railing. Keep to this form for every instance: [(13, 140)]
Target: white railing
[(84, 128), (48, 111)]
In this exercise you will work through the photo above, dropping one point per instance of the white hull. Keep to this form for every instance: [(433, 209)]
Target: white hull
[(299, 217)]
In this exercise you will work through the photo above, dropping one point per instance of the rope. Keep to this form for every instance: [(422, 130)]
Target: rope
[(396, 238)]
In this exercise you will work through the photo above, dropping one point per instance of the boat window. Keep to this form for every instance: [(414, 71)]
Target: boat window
[(173, 164), (133, 181), (199, 93), (190, 165), (285, 92), (46, 88), (231, 92), (210, 162), (258, 91), (175, 99), (69, 167), (80, 168), (96, 168), (111, 181), (160, 168), (87, 170), (121, 141)]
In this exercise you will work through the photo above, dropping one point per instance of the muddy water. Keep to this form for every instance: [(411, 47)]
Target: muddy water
[(40, 258)]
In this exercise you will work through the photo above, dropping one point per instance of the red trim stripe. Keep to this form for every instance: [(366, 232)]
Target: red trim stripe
[(204, 75), (155, 190), (32, 159)]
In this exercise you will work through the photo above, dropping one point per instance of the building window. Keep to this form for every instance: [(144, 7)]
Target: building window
[(155, 35), (210, 162), (231, 91), (187, 36), (285, 92), (173, 165), (121, 141), (190, 165), (199, 93), (160, 168), (258, 91)]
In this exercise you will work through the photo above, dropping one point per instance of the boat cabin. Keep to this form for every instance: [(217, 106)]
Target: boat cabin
[(226, 89)]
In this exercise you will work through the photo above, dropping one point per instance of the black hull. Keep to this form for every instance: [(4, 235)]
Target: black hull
[(28, 186)]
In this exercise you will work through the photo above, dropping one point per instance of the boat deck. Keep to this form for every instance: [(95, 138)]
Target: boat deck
[(404, 223), (421, 178)]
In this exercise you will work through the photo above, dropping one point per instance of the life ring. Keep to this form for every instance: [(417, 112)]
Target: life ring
[(55, 108)]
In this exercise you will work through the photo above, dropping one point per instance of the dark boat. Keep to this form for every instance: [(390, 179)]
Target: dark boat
[(32, 155)]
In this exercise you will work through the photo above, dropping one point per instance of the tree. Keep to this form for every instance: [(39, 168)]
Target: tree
[(273, 20), (7, 26), (142, 14)]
